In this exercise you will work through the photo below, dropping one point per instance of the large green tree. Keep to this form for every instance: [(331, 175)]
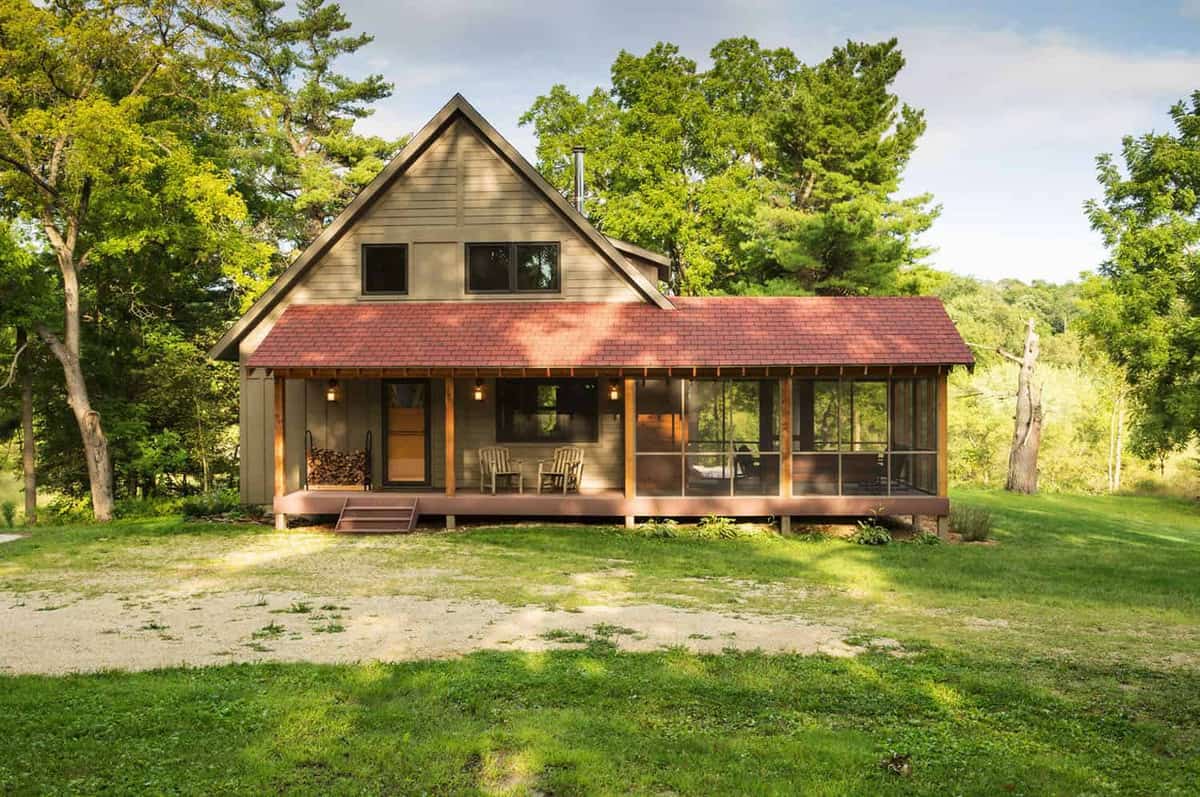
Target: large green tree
[(295, 112), (1145, 306), (758, 174), (102, 118)]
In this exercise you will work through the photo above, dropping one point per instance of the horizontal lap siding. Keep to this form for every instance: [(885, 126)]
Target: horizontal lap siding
[(475, 428)]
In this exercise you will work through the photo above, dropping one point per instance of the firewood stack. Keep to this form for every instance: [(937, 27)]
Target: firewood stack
[(327, 466)]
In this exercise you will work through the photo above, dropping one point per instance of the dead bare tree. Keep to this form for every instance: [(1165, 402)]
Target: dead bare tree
[(1027, 425)]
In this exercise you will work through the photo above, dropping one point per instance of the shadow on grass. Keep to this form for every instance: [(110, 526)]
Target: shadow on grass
[(595, 721)]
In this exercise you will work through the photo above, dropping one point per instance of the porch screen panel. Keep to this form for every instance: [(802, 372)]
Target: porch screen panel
[(707, 437), (659, 437), (866, 437)]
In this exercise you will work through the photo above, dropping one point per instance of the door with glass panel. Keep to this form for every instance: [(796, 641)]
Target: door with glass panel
[(406, 432)]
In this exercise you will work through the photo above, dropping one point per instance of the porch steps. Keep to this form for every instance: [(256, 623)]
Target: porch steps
[(393, 515)]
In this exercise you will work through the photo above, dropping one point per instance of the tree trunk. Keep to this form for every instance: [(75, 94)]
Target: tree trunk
[(1027, 429), (1119, 445), (28, 463), (95, 444)]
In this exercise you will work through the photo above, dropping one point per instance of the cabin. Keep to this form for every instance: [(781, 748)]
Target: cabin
[(462, 342)]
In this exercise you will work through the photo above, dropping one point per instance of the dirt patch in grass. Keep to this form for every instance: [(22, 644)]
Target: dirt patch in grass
[(109, 632)]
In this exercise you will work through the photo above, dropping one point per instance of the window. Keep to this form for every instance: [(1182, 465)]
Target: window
[(547, 410), (512, 268), (385, 268)]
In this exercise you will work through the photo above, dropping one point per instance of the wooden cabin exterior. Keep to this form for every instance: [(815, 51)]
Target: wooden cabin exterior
[(460, 302)]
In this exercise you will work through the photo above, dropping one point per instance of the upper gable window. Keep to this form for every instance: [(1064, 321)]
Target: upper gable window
[(512, 268), (384, 268)]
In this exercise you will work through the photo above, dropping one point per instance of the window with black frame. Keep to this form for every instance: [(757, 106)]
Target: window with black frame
[(547, 410), (384, 268), (511, 267)]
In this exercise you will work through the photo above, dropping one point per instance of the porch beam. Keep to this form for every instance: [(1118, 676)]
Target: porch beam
[(280, 472), (451, 475)]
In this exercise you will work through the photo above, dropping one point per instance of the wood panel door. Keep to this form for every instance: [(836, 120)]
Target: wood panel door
[(406, 432)]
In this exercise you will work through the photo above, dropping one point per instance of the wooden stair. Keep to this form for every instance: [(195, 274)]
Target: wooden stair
[(381, 515)]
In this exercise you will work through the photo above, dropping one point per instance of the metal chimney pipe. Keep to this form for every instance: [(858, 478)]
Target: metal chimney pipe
[(578, 151)]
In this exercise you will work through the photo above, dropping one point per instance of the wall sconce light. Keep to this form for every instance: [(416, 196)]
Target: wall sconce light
[(477, 393), (331, 391), (614, 392)]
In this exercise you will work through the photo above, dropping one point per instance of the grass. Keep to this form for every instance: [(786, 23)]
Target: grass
[(1064, 657)]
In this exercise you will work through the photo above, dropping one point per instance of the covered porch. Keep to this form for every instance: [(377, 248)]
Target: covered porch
[(668, 442)]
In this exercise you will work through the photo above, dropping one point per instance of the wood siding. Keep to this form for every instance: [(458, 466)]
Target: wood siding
[(459, 190)]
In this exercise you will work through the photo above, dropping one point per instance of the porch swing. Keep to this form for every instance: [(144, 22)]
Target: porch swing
[(331, 469)]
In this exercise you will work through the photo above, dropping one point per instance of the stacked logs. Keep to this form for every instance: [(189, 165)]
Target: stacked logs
[(329, 466)]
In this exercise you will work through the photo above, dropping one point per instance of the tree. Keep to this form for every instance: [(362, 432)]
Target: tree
[(1027, 422), (101, 115), (301, 154), (1144, 308), (757, 175), (841, 142)]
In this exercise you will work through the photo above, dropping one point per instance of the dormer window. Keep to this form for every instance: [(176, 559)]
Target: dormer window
[(384, 268), (512, 268)]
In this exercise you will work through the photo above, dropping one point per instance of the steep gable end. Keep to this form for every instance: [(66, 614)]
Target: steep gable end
[(457, 182)]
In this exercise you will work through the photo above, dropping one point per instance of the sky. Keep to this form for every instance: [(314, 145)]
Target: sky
[(1020, 97)]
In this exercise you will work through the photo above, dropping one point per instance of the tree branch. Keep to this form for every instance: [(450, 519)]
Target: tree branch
[(31, 174), (997, 350), (12, 369)]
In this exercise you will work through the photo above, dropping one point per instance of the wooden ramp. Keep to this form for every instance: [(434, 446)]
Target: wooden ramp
[(393, 515)]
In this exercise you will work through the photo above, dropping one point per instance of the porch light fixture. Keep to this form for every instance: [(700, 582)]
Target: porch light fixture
[(614, 392), (331, 391), (477, 393)]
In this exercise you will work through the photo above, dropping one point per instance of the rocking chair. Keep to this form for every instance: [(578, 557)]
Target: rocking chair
[(564, 472)]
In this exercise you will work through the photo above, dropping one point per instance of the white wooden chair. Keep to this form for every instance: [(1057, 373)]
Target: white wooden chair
[(563, 472), (495, 465)]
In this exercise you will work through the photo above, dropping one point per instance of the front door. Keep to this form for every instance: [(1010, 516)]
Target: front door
[(406, 432)]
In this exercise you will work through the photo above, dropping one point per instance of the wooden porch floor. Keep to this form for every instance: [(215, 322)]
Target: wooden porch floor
[(613, 503)]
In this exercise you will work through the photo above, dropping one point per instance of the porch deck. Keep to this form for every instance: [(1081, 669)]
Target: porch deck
[(614, 503)]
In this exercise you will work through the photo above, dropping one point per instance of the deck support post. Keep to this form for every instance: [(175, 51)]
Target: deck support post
[(785, 449), (943, 450), (280, 472), (630, 436), (451, 474), (450, 522)]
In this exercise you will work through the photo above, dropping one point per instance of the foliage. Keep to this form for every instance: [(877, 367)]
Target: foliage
[(1144, 307), (717, 527), (759, 174), (926, 537), (9, 510), (218, 502), (973, 523), (869, 532), (298, 150)]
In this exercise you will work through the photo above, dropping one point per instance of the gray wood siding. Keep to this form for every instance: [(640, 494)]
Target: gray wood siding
[(458, 191), (343, 425), (604, 460)]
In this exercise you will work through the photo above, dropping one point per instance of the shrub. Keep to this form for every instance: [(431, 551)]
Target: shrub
[(973, 523), (9, 508), (869, 532), (157, 506), (220, 502), (660, 528), (714, 526), (926, 537)]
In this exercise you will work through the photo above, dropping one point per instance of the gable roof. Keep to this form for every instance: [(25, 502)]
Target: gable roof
[(701, 333), (455, 108)]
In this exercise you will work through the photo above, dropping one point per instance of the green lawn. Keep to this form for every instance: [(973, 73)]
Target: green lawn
[(1063, 659)]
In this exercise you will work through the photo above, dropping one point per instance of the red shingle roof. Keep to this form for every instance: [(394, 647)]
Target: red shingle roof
[(702, 332)]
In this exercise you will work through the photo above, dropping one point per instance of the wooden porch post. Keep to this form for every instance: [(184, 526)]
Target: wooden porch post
[(451, 474), (280, 473), (630, 436), (943, 449), (785, 449)]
